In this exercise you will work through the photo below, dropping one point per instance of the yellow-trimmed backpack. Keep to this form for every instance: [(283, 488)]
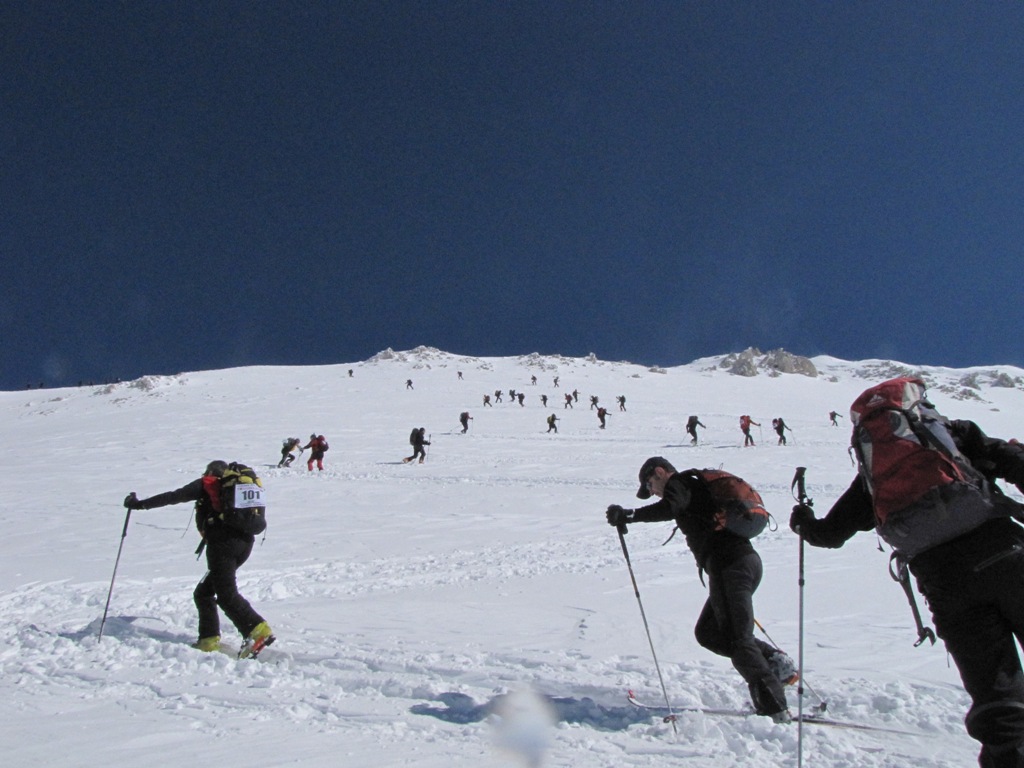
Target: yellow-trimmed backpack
[(240, 500)]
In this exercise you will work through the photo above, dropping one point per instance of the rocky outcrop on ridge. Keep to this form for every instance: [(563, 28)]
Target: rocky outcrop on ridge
[(751, 362)]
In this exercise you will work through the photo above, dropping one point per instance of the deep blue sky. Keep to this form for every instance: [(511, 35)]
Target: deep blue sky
[(200, 185)]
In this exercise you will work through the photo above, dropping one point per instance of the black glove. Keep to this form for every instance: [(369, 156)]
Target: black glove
[(617, 516), (802, 514), (131, 501)]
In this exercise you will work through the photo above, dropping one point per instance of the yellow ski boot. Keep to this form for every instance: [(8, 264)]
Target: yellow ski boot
[(258, 639)]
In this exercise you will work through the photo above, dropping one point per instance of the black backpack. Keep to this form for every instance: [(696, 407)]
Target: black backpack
[(413, 435)]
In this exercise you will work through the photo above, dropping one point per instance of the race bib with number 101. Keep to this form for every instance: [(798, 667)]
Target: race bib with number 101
[(249, 495)]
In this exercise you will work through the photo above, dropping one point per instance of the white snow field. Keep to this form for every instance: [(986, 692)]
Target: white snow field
[(410, 600)]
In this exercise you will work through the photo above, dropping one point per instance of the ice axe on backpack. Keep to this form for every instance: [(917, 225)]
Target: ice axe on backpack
[(900, 572)]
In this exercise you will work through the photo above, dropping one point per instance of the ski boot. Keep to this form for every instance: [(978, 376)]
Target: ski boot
[(783, 668), (207, 644), (258, 639)]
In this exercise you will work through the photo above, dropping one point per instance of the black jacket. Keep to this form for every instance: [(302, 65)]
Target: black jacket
[(206, 522), (686, 501), (994, 458)]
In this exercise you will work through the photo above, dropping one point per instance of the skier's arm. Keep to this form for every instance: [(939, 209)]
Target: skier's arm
[(676, 498), (852, 513), (991, 456), (658, 512), (191, 492)]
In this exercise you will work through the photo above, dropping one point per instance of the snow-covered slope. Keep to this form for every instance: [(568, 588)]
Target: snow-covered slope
[(408, 599)]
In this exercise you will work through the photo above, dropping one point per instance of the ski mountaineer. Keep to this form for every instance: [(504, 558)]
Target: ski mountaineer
[(734, 569), (226, 550), (691, 428), (288, 451), (745, 422), (780, 429), (417, 440), (318, 446), (972, 585)]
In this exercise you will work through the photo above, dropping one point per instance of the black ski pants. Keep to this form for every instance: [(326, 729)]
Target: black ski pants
[(978, 610), (726, 627), (224, 556)]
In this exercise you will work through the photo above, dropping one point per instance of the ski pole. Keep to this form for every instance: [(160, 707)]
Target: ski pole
[(124, 533), (798, 482), (800, 663), (643, 615)]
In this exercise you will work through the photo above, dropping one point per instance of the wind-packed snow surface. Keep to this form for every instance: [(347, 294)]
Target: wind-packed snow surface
[(473, 610)]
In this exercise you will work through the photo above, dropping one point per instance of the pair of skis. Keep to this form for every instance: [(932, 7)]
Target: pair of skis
[(670, 714)]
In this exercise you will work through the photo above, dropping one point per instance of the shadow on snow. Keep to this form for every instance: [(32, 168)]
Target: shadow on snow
[(462, 709)]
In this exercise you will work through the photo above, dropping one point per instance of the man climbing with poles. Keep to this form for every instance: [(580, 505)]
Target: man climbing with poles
[(927, 485), (718, 513), (227, 548)]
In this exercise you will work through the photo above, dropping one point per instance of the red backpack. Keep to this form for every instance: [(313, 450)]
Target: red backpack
[(924, 491), (739, 508)]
